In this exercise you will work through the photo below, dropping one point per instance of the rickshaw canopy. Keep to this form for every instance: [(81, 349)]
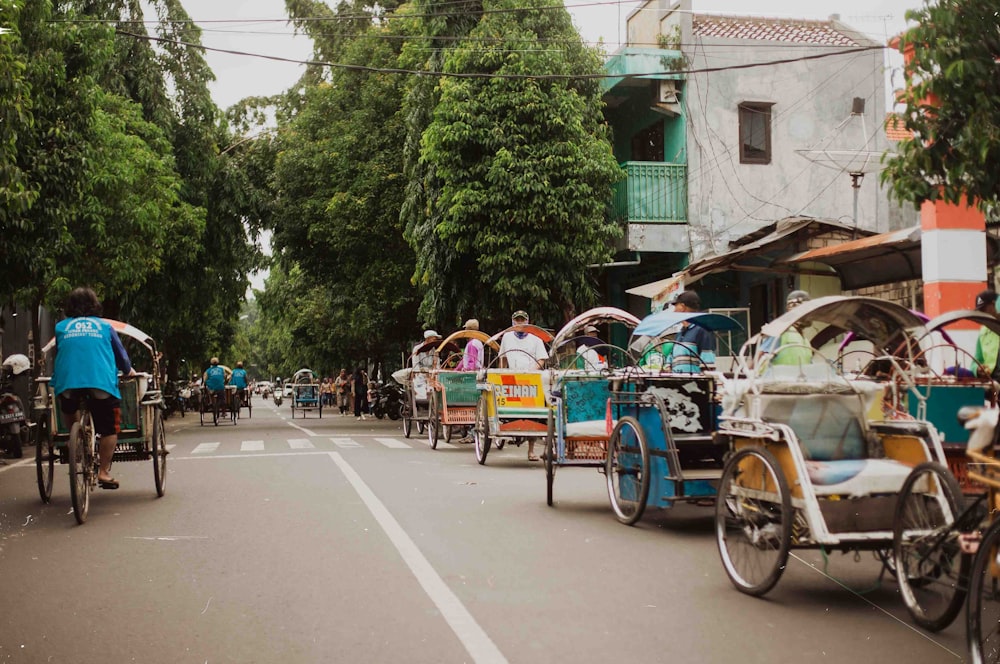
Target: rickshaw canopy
[(979, 317), (658, 323), (593, 316), (878, 321), (454, 337)]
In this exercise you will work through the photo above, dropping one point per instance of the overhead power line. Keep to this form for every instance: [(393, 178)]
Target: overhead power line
[(550, 77)]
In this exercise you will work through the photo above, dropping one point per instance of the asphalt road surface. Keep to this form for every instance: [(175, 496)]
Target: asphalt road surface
[(334, 540)]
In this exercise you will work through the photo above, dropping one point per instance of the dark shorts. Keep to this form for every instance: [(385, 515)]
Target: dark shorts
[(106, 412)]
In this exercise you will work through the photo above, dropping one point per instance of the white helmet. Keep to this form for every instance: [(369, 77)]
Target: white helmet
[(17, 364)]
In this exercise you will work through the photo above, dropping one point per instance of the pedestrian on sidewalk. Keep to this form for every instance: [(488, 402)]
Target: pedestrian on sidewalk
[(360, 389), (342, 385)]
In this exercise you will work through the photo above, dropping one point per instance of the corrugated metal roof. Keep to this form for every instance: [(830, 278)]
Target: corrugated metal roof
[(799, 31)]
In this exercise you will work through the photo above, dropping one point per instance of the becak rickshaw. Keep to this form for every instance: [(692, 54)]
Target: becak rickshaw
[(813, 462), (513, 395), (453, 394), (306, 393), (141, 434), (416, 382), (583, 366), (662, 449)]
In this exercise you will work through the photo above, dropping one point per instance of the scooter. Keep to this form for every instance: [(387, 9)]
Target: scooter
[(277, 397), (14, 430)]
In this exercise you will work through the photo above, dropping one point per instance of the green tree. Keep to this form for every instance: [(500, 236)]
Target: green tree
[(952, 98), (339, 187), (525, 167), (15, 117)]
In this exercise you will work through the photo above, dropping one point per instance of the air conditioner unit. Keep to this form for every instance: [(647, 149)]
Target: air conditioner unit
[(667, 92)]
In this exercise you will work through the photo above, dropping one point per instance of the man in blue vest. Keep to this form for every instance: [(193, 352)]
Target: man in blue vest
[(216, 377), (238, 379), (89, 355)]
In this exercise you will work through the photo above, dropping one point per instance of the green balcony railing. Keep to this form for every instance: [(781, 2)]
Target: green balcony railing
[(651, 192)]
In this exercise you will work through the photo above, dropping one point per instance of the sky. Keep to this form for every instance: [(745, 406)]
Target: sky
[(243, 76)]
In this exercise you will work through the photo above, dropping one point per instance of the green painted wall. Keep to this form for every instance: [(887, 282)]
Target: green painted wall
[(633, 116)]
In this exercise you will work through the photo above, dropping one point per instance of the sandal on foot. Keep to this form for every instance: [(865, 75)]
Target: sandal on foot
[(108, 484), (532, 457)]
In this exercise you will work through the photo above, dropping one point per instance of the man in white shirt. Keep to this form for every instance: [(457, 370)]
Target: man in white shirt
[(519, 349), (425, 360)]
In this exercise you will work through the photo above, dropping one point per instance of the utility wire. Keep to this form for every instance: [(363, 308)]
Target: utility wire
[(471, 75)]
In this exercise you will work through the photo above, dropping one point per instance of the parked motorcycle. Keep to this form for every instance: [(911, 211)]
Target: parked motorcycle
[(14, 430), (388, 401)]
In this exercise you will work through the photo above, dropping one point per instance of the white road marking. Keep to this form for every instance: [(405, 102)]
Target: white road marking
[(22, 462), (393, 443), (441, 444), (345, 442), (476, 641), (205, 448), (252, 446), (300, 444), (302, 429), (267, 455)]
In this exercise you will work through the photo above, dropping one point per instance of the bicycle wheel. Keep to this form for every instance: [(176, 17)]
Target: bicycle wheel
[(407, 426), (215, 410), (930, 567), (159, 445), (550, 454), (753, 520), (481, 431), (432, 422), (250, 407), (81, 466), (983, 615), (201, 413), (45, 456), (627, 470)]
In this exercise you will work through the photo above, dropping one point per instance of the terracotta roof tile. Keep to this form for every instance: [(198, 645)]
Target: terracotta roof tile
[(895, 130), (799, 31)]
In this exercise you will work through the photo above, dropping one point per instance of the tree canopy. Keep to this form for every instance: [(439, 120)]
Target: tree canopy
[(952, 99)]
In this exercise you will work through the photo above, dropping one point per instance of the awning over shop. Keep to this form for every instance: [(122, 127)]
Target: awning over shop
[(870, 261), (755, 252), (659, 291)]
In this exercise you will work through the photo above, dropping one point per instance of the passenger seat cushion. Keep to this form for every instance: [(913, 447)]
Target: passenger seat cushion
[(856, 478)]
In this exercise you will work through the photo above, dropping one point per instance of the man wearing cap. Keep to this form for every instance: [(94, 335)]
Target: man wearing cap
[(425, 359), (472, 358), (589, 359), (988, 343), (693, 340), (519, 349), (792, 346)]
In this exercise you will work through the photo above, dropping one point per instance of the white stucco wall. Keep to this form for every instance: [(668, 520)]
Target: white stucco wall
[(727, 199)]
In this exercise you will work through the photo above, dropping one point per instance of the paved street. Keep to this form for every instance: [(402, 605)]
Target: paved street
[(320, 540)]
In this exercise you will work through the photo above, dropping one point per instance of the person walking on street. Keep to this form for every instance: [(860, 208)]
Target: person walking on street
[(360, 389), (89, 355), (342, 385)]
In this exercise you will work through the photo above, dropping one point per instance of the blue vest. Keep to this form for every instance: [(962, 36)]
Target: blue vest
[(215, 378), (239, 378), (84, 356)]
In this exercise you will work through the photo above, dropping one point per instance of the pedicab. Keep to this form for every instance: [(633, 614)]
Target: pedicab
[(934, 538), (453, 395), (513, 403), (141, 434), (306, 393), (813, 463), (578, 430), (662, 450), (416, 382), (215, 406)]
